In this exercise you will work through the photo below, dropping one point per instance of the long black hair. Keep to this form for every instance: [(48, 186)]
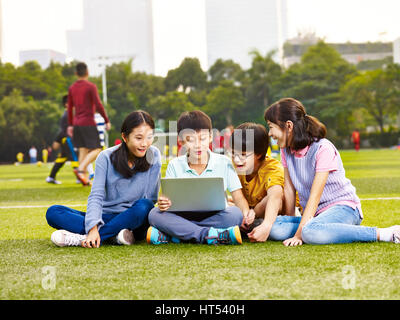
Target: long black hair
[(120, 157), (306, 128)]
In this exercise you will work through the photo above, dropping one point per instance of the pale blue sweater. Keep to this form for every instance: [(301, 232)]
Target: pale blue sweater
[(112, 193)]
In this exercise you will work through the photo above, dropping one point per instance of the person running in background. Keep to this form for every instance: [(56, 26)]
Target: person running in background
[(355, 137), (101, 128), (83, 98), (67, 149)]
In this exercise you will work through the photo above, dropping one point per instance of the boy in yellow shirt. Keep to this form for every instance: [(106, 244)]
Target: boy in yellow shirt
[(261, 176)]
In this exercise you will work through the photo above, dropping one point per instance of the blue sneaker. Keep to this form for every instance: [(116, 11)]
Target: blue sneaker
[(155, 236), (224, 236)]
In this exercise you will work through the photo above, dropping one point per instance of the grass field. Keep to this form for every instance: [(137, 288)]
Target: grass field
[(31, 267)]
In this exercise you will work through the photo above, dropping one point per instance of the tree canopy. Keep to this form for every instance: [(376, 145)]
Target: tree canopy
[(341, 95)]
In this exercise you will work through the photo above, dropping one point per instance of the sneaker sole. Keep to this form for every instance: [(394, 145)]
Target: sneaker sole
[(238, 235), (54, 241), (128, 237), (148, 235), (81, 178)]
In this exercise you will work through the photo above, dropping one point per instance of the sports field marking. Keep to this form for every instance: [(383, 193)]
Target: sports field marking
[(8, 180), (391, 198), (81, 205), (42, 206)]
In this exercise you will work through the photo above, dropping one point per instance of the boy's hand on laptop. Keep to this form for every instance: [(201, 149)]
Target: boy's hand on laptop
[(164, 203)]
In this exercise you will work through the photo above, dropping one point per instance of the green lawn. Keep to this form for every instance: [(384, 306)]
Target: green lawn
[(187, 271)]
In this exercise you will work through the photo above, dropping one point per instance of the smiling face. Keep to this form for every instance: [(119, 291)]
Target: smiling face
[(197, 144), (277, 133), (245, 162), (139, 140)]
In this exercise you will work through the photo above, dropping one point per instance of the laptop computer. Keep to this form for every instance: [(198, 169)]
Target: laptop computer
[(194, 194)]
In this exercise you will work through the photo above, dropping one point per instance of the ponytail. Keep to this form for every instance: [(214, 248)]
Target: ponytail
[(315, 128)]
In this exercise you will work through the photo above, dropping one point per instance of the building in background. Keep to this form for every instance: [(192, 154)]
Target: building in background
[(236, 27), (354, 53), (396, 51), (43, 57), (114, 31)]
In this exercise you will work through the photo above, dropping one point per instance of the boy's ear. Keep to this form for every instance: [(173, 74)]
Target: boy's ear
[(259, 157), (180, 140)]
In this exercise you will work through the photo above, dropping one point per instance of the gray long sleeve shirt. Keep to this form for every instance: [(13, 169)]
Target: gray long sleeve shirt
[(112, 193)]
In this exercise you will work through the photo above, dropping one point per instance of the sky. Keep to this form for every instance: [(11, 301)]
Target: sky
[(42, 24)]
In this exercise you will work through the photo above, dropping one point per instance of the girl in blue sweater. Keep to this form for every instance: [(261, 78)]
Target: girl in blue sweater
[(125, 186)]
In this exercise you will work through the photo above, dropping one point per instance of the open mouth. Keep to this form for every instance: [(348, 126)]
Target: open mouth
[(141, 150)]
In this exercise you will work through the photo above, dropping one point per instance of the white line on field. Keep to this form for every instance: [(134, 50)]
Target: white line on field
[(27, 207), (392, 198), (81, 205)]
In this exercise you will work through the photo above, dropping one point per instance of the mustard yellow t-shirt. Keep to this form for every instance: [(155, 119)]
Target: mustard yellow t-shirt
[(269, 174)]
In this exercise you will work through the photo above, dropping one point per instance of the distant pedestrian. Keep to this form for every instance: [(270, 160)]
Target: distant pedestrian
[(227, 132), (84, 98), (20, 157), (33, 154), (64, 143), (355, 137), (45, 155)]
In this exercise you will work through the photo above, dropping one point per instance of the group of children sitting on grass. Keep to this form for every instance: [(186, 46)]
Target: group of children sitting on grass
[(264, 192)]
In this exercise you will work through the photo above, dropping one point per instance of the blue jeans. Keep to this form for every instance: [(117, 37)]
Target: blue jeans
[(338, 224), (134, 218), (192, 226)]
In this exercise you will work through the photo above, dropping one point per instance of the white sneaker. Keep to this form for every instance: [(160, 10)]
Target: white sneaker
[(396, 234), (52, 180), (64, 238), (125, 236)]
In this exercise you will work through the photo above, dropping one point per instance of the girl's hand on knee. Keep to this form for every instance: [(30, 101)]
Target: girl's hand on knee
[(92, 239), (293, 242), (164, 203)]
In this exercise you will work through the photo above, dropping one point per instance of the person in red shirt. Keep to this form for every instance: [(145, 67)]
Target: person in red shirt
[(356, 139), (83, 102)]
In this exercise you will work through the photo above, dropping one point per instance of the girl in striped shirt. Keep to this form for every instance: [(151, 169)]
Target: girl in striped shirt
[(313, 167)]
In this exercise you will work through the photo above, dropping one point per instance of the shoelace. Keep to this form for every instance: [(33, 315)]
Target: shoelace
[(162, 238), (72, 239), (222, 238), (396, 238)]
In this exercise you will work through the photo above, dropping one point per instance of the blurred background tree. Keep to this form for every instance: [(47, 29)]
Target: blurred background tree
[(340, 94)]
